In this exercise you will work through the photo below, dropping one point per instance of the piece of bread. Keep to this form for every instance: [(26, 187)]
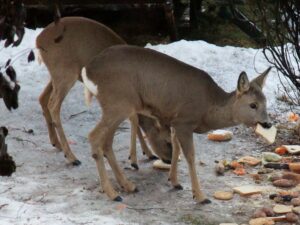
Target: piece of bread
[(223, 195), (247, 190), (220, 135), (268, 134), (159, 164), (293, 149)]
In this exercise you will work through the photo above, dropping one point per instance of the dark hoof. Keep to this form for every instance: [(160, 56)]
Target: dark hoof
[(178, 187), (136, 190), (153, 157), (118, 199), (205, 201), (76, 163), (166, 161), (144, 153), (129, 157), (135, 166)]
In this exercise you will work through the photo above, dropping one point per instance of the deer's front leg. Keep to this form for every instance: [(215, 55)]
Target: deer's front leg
[(185, 139), (174, 162)]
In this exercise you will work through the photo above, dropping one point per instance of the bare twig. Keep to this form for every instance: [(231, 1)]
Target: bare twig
[(77, 114)]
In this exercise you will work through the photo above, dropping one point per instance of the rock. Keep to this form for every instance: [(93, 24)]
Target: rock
[(261, 221), (269, 211), (292, 217), (228, 224), (282, 209), (296, 210), (291, 176), (223, 195), (259, 214), (247, 190), (220, 168), (271, 157), (284, 183), (249, 160), (295, 201), (294, 167)]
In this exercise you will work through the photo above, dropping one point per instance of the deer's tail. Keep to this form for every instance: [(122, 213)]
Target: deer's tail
[(90, 89)]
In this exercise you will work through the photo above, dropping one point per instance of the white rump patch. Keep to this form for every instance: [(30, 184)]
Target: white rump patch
[(88, 83), (90, 88)]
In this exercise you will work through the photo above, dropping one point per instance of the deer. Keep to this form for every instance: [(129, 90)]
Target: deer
[(9, 90), (129, 80), (65, 47)]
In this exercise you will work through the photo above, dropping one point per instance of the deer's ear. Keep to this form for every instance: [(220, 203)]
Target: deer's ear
[(243, 84), (260, 80)]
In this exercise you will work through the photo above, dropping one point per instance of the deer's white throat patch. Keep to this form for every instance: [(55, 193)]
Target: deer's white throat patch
[(88, 83)]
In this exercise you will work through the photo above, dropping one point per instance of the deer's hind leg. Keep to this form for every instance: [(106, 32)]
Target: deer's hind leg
[(134, 121), (60, 90), (44, 100), (101, 139)]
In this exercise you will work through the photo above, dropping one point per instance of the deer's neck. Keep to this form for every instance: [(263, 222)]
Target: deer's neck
[(220, 114)]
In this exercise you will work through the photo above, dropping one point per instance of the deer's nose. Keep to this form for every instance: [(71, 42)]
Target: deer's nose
[(266, 125)]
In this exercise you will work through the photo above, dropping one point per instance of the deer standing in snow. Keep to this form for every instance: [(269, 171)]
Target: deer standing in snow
[(130, 80), (65, 48)]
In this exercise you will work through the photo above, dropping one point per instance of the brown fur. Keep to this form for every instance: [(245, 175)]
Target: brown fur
[(65, 48), (133, 80)]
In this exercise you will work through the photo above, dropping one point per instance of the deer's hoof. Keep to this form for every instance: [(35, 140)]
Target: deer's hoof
[(178, 187), (153, 157), (136, 190), (118, 199), (76, 163), (205, 201), (135, 166)]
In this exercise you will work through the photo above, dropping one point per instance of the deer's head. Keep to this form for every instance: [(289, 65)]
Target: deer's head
[(9, 90), (250, 103)]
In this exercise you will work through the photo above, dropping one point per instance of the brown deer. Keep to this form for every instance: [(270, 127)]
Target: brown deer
[(130, 80), (65, 48)]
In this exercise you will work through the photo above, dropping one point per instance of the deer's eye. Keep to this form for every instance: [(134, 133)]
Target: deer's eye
[(253, 106)]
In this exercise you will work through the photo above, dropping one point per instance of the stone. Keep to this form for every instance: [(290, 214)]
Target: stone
[(296, 210), (228, 224), (282, 209), (295, 201), (271, 157)]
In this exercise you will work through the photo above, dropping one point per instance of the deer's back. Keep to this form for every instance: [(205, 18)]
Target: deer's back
[(151, 80), (73, 41)]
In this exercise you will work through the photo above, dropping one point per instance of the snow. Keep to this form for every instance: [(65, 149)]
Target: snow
[(45, 189)]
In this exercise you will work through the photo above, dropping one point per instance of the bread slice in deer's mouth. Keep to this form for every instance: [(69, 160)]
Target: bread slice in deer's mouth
[(267, 133)]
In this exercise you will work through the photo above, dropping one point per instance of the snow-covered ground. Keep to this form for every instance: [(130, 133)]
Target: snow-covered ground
[(46, 190)]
